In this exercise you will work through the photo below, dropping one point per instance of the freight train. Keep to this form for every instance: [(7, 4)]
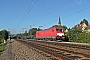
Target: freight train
[(53, 33)]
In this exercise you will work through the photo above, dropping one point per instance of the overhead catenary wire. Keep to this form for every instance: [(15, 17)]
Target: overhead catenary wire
[(69, 15), (76, 12), (65, 13), (26, 13), (53, 11)]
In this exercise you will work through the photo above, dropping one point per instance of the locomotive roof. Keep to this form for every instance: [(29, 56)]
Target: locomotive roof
[(50, 28)]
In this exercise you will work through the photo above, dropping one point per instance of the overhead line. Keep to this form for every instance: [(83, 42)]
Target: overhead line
[(71, 14), (68, 12), (54, 10), (76, 12), (26, 13)]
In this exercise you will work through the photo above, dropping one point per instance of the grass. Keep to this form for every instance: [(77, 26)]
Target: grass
[(2, 47)]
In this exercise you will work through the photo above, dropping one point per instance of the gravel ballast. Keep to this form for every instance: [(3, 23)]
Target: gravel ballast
[(18, 51)]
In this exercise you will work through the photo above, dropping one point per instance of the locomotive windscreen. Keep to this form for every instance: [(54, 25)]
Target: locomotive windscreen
[(59, 30)]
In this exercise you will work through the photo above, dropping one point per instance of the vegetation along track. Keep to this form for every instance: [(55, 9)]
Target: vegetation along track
[(58, 53)]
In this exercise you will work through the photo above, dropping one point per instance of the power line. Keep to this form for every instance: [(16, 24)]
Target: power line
[(27, 12), (67, 12), (70, 14), (54, 10), (58, 8), (23, 29), (76, 12)]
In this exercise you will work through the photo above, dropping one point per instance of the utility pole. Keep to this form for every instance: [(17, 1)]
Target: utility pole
[(23, 29), (30, 29), (23, 32), (40, 27), (20, 34), (9, 34)]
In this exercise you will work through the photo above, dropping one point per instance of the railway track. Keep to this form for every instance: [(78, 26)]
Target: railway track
[(58, 53), (71, 45)]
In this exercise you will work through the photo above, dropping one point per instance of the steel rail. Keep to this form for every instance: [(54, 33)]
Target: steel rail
[(80, 46), (77, 53), (57, 56), (86, 55)]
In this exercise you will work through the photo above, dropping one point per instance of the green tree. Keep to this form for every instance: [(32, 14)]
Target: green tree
[(32, 31), (74, 34), (81, 22), (26, 34), (84, 21), (1, 34), (5, 34)]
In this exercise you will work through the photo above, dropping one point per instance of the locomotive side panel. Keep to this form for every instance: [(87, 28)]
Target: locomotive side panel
[(49, 33), (39, 34), (52, 33)]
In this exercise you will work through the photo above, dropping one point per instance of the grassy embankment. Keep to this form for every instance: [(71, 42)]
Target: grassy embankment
[(2, 45)]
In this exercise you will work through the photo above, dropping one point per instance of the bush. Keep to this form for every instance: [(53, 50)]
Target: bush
[(1, 40)]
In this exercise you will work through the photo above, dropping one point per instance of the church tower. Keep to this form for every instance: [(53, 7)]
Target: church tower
[(59, 21)]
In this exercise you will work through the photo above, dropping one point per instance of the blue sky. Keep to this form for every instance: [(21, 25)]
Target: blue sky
[(18, 14)]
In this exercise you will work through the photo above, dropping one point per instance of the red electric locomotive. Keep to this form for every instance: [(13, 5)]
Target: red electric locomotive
[(52, 33)]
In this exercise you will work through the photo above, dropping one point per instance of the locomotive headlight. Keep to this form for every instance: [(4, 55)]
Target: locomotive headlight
[(60, 34)]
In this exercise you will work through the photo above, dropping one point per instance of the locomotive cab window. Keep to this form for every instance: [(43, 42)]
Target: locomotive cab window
[(59, 30)]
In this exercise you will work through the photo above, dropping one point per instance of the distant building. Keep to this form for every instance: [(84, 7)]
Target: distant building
[(59, 21), (66, 30), (82, 25)]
